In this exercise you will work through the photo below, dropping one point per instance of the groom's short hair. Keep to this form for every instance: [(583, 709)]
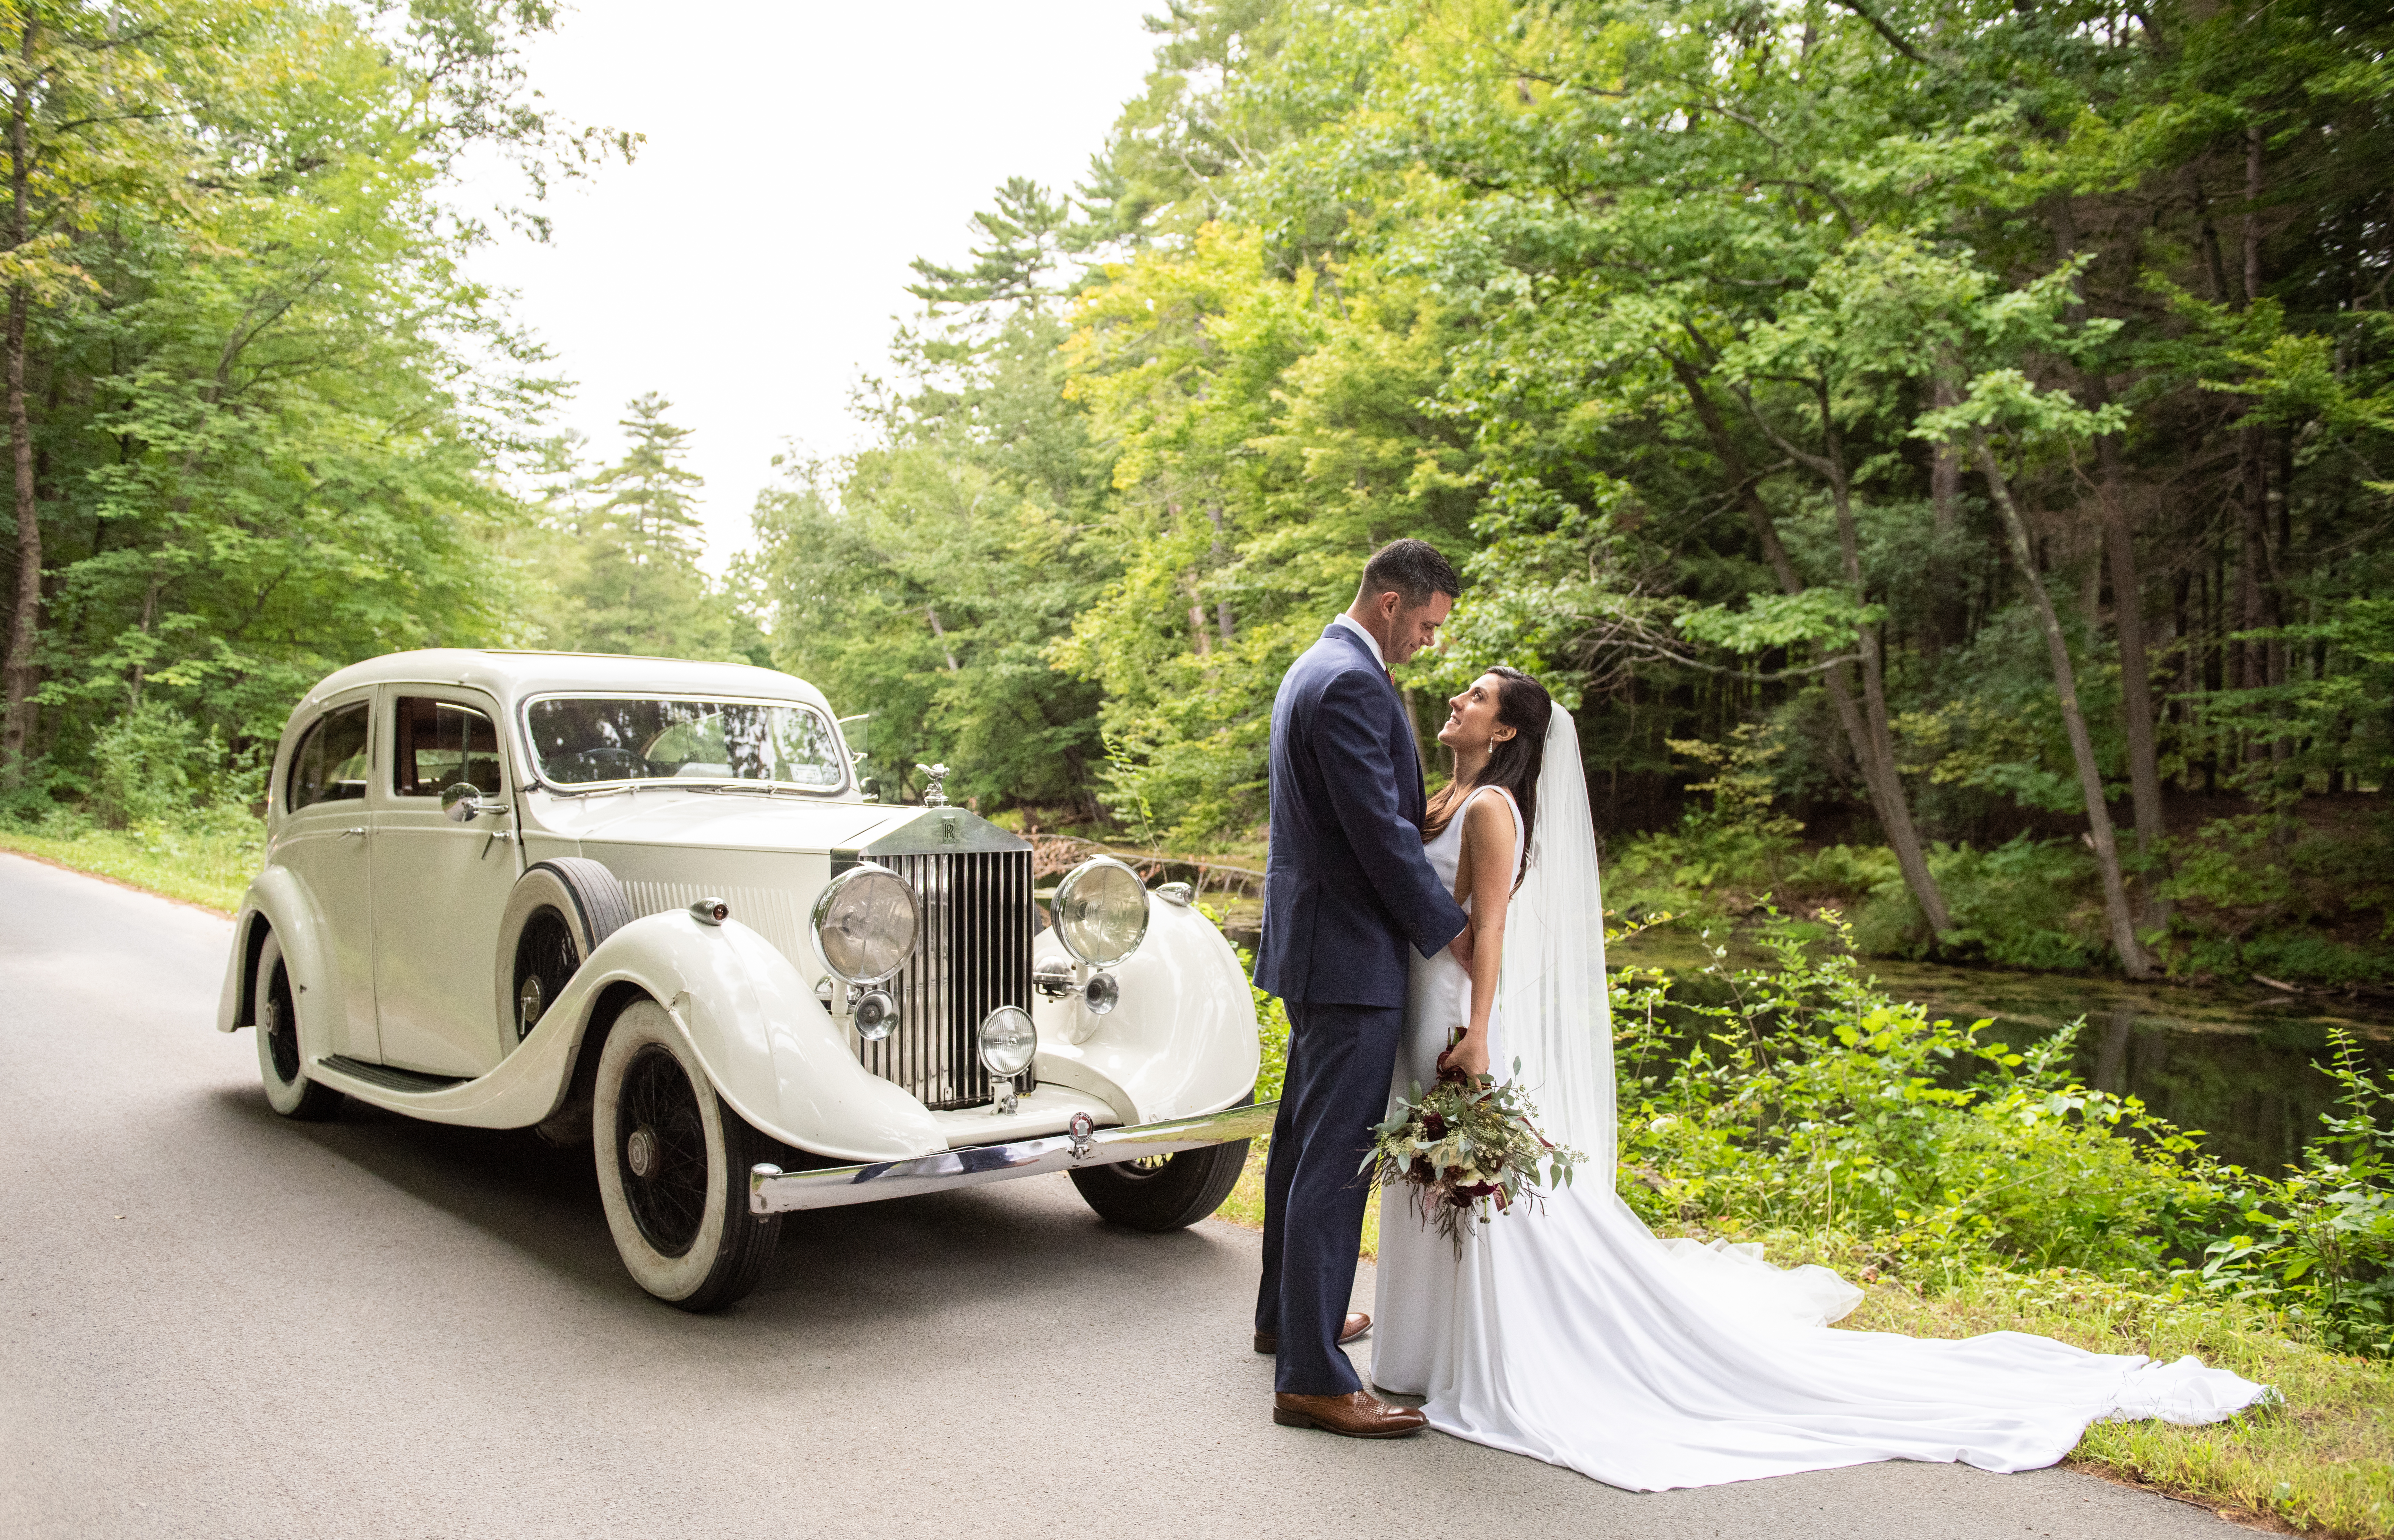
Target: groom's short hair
[(1413, 571)]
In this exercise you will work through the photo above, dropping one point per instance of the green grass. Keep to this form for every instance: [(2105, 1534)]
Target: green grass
[(2321, 1462), (207, 862)]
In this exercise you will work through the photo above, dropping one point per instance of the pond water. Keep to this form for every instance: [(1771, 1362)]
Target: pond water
[(2238, 1062)]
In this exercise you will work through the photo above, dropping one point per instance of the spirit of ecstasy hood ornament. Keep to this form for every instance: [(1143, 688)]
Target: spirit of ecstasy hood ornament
[(933, 796)]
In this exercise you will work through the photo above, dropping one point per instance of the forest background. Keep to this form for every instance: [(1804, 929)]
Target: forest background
[(1942, 450)]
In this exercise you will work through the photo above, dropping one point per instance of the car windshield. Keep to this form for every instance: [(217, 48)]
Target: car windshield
[(586, 740)]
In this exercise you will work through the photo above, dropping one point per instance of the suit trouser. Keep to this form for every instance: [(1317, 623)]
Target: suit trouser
[(1340, 1059)]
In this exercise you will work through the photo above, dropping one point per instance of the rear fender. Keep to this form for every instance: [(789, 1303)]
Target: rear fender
[(276, 903)]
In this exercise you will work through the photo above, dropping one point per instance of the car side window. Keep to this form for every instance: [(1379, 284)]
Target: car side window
[(330, 764), (440, 744)]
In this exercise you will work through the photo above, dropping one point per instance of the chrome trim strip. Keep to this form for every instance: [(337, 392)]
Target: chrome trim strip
[(773, 1191)]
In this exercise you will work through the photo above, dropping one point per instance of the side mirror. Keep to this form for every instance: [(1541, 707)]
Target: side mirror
[(461, 803)]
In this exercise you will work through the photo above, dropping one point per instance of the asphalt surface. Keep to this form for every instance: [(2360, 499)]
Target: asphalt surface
[(214, 1322)]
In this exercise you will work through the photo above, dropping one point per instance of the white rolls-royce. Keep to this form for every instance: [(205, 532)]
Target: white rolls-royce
[(644, 904)]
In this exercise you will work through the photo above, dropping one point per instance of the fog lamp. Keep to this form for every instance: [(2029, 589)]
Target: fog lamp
[(1101, 993), (875, 1015), (1008, 1041)]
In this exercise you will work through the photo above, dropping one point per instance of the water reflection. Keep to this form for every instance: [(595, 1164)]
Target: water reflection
[(2236, 1061)]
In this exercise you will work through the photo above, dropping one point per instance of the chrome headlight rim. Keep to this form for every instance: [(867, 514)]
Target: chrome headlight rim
[(1023, 1032), (1064, 892), (862, 872)]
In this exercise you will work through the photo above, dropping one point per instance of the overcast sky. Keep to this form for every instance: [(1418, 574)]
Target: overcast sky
[(750, 262)]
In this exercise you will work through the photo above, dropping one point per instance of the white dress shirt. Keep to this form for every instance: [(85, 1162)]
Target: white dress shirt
[(1369, 640)]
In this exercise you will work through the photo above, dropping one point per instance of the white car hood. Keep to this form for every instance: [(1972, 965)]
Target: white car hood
[(736, 821)]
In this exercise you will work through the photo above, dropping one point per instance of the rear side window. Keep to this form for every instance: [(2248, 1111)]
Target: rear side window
[(440, 744), (330, 764)]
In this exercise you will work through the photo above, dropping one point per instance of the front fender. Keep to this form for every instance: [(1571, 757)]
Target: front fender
[(1182, 1041), (769, 1046)]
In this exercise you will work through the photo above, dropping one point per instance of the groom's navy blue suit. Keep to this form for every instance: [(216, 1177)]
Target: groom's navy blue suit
[(1345, 889)]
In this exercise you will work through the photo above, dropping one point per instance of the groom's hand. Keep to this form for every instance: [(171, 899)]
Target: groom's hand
[(1461, 948)]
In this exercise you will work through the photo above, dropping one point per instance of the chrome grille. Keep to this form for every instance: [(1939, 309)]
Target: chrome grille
[(975, 956)]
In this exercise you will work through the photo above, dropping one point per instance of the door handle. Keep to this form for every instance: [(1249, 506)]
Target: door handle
[(360, 833)]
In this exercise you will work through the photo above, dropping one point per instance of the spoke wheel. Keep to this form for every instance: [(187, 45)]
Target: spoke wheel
[(546, 958), (557, 913), (673, 1161), (662, 1150), (282, 1064)]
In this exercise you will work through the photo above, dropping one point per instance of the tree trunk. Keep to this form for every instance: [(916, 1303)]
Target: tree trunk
[(1880, 777), (2127, 604), (23, 671), (2136, 687), (1221, 556), (1947, 623), (2082, 746), (940, 633), (2253, 169)]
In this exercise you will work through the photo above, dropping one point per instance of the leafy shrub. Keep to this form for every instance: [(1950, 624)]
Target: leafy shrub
[(2292, 953), (2319, 1244), (2026, 904), (1799, 1098), (1850, 871), (147, 765), (1809, 1098)]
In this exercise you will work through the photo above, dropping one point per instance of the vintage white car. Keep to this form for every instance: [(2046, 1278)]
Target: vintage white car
[(644, 904)]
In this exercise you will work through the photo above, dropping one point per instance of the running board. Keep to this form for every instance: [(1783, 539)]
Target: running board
[(389, 1078)]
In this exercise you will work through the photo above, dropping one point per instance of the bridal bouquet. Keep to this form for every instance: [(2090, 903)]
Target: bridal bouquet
[(1469, 1143)]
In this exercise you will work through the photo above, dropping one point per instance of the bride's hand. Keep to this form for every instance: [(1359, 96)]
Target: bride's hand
[(1470, 1054)]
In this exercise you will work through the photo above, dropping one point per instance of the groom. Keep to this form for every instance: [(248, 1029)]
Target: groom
[(1346, 889)]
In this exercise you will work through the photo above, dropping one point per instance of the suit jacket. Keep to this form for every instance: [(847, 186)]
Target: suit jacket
[(1346, 885)]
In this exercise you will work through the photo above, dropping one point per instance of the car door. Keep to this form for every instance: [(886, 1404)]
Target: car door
[(325, 841), (440, 887)]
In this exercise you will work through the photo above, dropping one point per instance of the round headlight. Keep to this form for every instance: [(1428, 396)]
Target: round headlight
[(1102, 912), (1008, 1041), (865, 924)]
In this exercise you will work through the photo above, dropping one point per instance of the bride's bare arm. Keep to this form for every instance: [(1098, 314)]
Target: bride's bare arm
[(1486, 871)]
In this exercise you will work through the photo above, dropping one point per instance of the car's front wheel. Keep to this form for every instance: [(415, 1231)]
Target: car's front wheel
[(1171, 1193), (673, 1168), (280, 1065)]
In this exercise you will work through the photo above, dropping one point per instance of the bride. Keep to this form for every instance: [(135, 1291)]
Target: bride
[(1574, 1333)]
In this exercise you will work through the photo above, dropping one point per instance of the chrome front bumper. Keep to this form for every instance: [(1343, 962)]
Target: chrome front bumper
[(774, 1191)]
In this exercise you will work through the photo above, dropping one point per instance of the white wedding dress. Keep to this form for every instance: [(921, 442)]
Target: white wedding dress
[(1574, 1334)]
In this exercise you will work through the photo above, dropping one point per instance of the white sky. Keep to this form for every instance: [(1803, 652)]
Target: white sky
[(800, 154)]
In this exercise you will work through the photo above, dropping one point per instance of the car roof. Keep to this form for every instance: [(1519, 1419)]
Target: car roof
[(512, 676)]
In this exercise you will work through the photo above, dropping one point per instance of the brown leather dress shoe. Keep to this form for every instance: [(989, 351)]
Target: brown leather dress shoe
[(1357, 1415), (1357, 1324)]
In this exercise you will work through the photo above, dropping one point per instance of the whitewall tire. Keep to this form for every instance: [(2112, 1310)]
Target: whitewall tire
[(281, 1061), (673, 1168)]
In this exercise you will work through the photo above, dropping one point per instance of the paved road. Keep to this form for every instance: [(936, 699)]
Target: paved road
[(216, 1323)]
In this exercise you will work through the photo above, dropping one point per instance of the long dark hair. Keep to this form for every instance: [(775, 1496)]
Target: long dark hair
[(1522, 705)]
